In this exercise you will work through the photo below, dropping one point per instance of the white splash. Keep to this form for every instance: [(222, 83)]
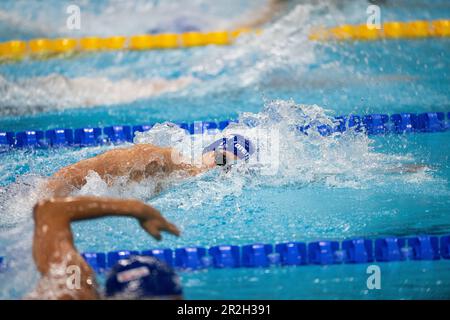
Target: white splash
[(283, 46), (58, 92), (341, 160)]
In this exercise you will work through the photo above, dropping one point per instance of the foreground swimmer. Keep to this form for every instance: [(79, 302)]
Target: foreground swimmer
[(57, 258), (143, 161)]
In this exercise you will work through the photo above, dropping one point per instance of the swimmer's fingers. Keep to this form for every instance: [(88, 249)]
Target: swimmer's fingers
[(152, 228), (155, 227), (164, 225), (171, 228), (154, 223)]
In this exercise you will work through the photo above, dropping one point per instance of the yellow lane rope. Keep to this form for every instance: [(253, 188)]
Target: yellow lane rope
[(45, 48), (389, 30)]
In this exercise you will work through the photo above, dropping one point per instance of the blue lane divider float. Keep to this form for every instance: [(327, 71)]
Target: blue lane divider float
[(292, 253), (424, 248), (86, 137), (323, 252), (445, 247), (357, 251), (190, 258), (351, 251), (165, 255), (59, 137), (97, 260), (256, 255), (389, 249), (372, 124), (225, 256), (28, 138)]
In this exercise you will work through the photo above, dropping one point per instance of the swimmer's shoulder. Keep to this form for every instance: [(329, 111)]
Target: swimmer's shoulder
[(128, 150), (136, 151), (147, 147)]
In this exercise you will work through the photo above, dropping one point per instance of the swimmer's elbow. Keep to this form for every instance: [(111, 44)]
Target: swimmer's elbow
[(52, 211), (40, 210), (63, 181)]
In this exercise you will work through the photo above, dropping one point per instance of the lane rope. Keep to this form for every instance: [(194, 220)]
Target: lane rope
[(44, 48), (371, 124), (389, 30), (17, 50), (262, 255)]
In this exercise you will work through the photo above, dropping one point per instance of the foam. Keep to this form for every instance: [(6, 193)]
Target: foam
[(342, 160), (56, 92)]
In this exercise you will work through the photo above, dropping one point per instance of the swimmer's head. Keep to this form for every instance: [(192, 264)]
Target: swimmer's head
[(142, 277), (230, 148)]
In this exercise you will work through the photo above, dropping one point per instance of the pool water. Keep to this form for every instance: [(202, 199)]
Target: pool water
[(333, 188)]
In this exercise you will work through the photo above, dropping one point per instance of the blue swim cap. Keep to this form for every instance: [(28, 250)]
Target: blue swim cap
[(141, 277), (236, 144)]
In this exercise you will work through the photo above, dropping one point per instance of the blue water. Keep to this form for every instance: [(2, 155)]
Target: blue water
[(338, 189)]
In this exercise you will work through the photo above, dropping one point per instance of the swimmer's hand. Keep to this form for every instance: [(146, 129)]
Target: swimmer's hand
[(83, 208), (154, 223), (53, 240)]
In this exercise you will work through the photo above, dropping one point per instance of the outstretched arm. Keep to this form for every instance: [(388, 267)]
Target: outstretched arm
[(265, 15), (137, 162), (53, 248), (62, 182)]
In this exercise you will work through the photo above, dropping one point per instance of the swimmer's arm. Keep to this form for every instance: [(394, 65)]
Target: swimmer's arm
[(192, 170), (53, 240), (64, 180), (407, 168), (265, 15), (61, 184), (175, 162), (111, 163)]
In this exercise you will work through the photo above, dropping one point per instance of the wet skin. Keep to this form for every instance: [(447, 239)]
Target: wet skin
[(138, 162), (54, 251)]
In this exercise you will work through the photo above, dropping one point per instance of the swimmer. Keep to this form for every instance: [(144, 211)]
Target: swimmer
[(54, 252), (143, 161), (273, 7), (265, 15)]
